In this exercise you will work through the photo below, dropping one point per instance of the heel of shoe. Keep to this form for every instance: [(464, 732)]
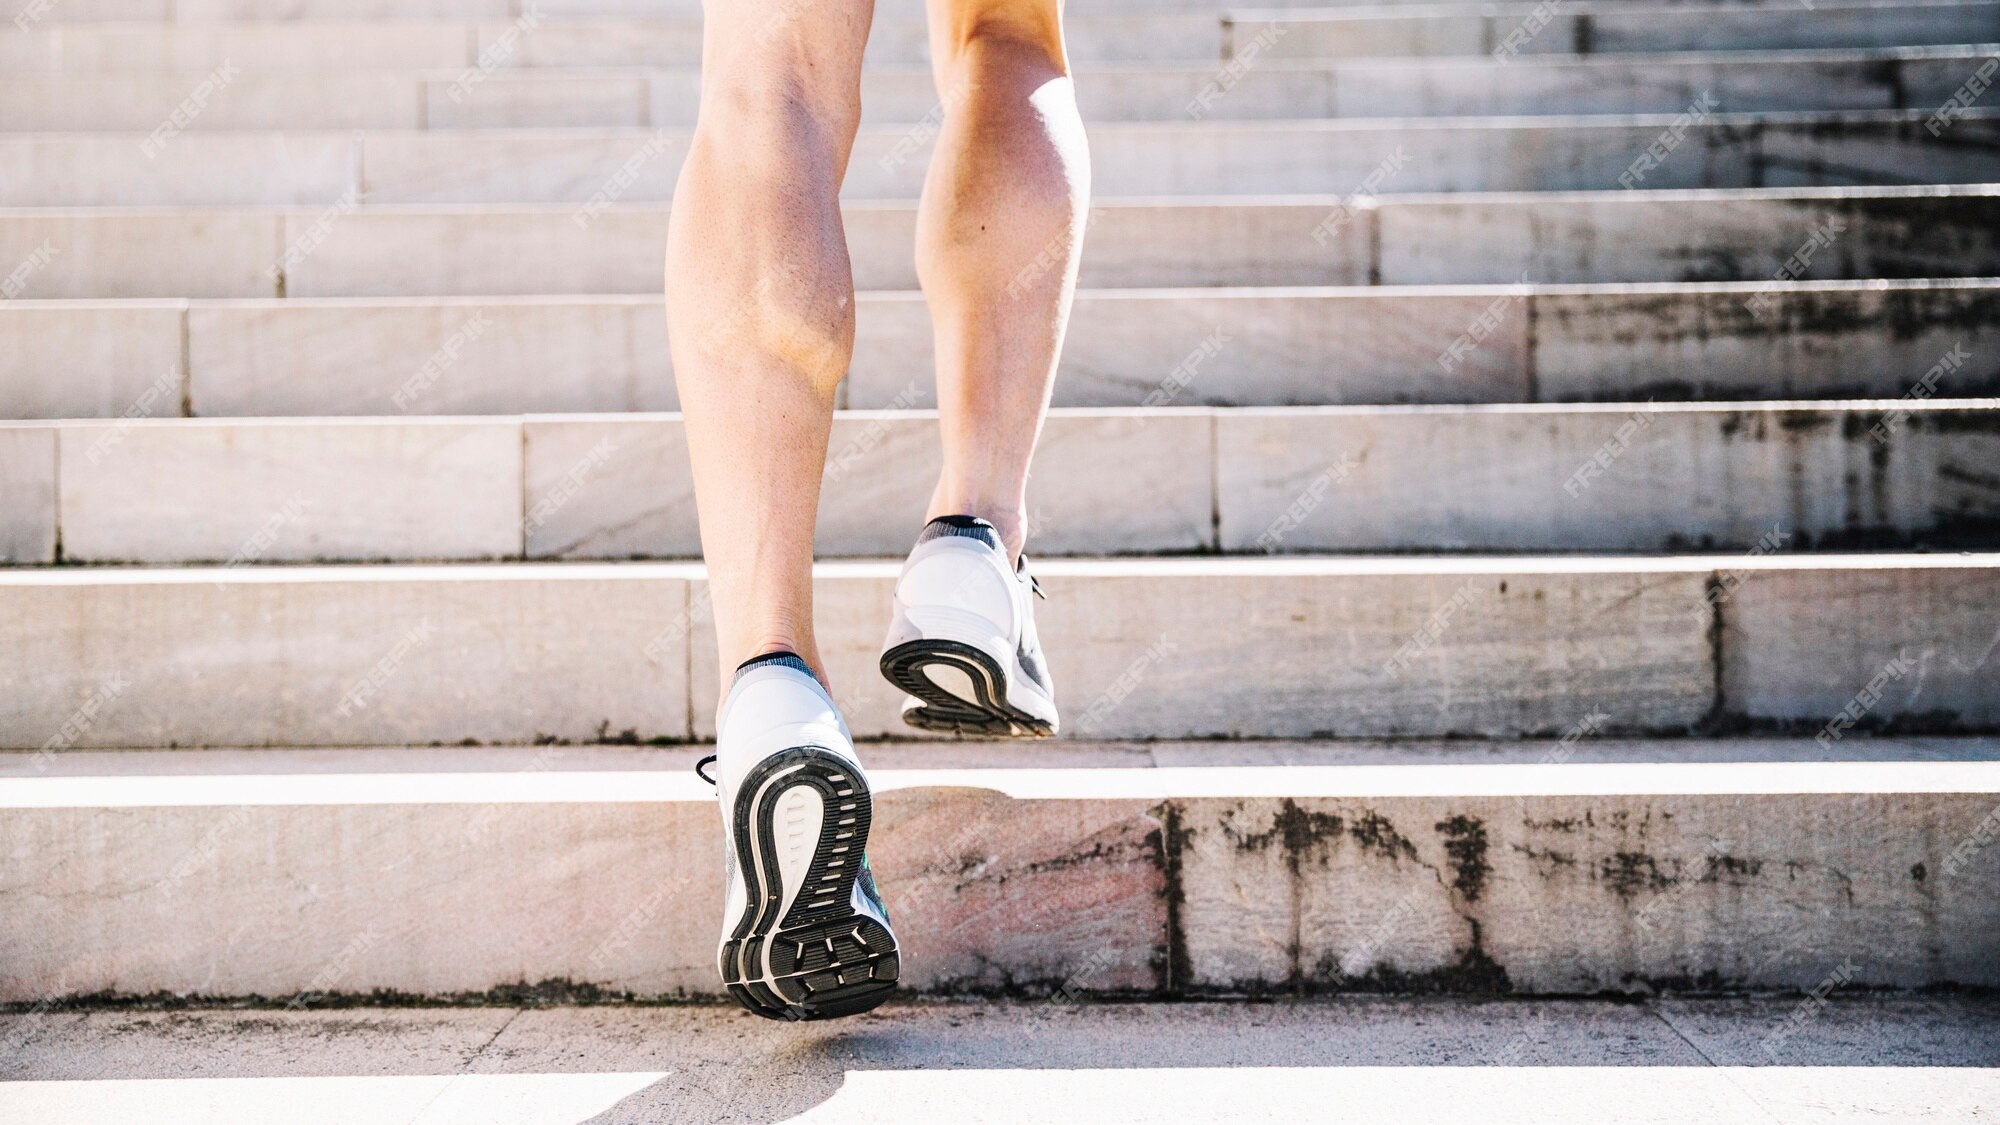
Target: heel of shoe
[(960, 688), (809, 945)]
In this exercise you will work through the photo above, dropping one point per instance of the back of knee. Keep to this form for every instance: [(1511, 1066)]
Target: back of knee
[(1019, 34), (778, 105)]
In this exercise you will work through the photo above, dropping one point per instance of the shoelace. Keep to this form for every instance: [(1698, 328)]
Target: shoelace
[(1033, 584), (701, 775)]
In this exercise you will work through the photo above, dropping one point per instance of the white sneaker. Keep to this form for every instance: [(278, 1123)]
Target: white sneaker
[(804, 932), (962, 642)]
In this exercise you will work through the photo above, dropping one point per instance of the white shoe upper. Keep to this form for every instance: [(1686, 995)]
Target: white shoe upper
[(770, 708), (773, 707), (958, 585)]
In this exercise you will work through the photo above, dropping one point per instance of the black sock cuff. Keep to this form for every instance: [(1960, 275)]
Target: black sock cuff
[(961, 527), (781, 659)]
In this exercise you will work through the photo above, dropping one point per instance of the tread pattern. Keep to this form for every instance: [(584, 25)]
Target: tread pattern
[(824, 958), (986, 715)]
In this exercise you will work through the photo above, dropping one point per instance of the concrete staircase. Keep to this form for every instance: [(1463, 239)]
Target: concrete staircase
[(1521, 513)]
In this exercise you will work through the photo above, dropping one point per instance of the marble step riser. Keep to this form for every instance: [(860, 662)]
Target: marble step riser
[(896, 39), (1257, 482), (1527, 31), (342, 251), (361, 100), (1187, 896), (596, 168), (1182, 348), (1228, 648)]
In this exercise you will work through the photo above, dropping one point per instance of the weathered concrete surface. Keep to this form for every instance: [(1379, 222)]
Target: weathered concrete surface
[(1249, 346), (1608, 477), (203, 252), (1563, 895), (1188, 347), (1889, 649), (1249, 647), (1830, 339), (255, 491), (883, 465), (618, 487), (296, 656), (1419, 1061), (605, 881), (1321, 239), (94, 360), (581, 871), (296, 358), (1732, 235), (305, 169), (1877, 78), (364, 40), (28, 481), (607, 487), (1607, 28), (1168, 480), (1339, 648)]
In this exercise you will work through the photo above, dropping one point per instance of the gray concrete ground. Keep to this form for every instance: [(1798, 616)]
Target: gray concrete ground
[(1784, 1060)]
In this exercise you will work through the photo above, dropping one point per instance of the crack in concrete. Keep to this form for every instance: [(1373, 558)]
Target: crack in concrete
[(1661, 1015), (477, 1053)]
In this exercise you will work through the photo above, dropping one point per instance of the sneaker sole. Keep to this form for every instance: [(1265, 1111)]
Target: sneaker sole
[(986, 713), (821, 959)]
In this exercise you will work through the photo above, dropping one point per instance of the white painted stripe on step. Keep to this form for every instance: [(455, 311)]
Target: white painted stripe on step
[(1049, 568), (1156, 784), (1416, 1095), (432, 1099), (1411, 1095)]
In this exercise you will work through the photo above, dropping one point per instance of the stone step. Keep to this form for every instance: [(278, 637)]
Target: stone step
[(338, 249), (1628, 868), (547, 1054), (317, 11), (1911, 78), (476, 47), (480, 45), (1300, 479), (1272, 346), (1163, 648), (592, 167), (1507, 31)]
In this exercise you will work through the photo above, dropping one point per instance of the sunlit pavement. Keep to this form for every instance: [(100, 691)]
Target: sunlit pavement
[(1781, 1059)]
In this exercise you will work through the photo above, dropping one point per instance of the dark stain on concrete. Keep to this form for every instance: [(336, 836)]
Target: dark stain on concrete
[(1717, 594), (1473, 974), (1935, 721), (1172, 967), (997, 982), (1375, 833), (1293, 830), (1809, 421), (550, 992), (1733, 866), (1113, 851), (1706, 983), (1628, 874), (1554, 824), (1465, 844), (626, 737), (1546, 860)]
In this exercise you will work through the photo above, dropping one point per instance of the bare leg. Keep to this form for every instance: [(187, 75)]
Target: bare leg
[(998, 236), (760, 302)]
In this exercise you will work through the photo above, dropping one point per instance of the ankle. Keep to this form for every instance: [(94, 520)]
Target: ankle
[(733, 659), (1010, 522)]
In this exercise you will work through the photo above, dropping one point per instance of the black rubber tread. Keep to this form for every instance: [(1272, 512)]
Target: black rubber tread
[(827, 959), (987, 715)]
